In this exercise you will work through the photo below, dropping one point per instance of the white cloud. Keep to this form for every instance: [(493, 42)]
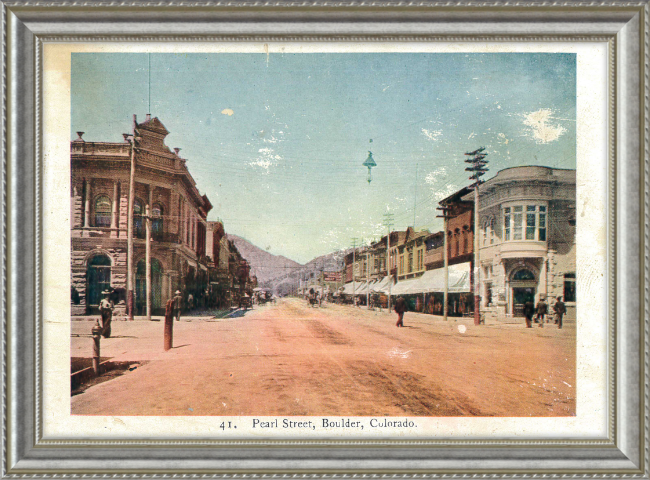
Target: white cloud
[(432, 134), (435, 175), (438, 180), (228, 111), (541, 128)]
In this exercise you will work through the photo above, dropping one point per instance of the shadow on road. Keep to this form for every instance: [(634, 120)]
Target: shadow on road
[(181, 346), (237, 314)]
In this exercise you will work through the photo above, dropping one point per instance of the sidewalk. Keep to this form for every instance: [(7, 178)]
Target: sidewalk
[(194, 315), (427, 317)]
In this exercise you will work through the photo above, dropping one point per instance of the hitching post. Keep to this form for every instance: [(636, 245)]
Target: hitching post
[(169, 324), (97, 334)]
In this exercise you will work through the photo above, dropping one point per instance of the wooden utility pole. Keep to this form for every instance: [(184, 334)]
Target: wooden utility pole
[(147, 250), (354, 261), (368, 277), (388, 222), (478, 167), (129, 228), (445, 256)]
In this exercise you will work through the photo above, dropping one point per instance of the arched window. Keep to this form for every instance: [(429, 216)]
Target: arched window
[(492, 231), (138, 220), (486, 228), (157, 222), (524, 274), (103, 211), (465, 240), (457, 242)]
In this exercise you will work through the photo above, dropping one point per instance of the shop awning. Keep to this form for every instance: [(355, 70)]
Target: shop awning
[(382, 285), (361, 288), (405, 287), (434, 281)]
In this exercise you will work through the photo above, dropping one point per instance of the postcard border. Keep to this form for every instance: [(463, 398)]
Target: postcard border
[(16, 334)]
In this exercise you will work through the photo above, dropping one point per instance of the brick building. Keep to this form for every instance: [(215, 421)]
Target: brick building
[(410, 254), (99, 202)]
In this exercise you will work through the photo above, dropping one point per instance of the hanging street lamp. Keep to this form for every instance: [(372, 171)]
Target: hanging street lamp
[(370, 162)]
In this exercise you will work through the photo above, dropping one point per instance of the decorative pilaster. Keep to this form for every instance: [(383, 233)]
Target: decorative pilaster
[(88, 195), (543, 282), (195, 236), (114, 215)]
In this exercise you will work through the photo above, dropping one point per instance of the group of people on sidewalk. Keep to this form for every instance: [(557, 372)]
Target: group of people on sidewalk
[(106, 307), (178, 304), (530, 309), (541, 312)]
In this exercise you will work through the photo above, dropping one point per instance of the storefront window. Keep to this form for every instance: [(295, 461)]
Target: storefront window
[(569, 287), (526, 222)]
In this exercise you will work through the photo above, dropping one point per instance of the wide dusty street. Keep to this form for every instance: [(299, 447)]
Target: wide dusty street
[(290, 359)]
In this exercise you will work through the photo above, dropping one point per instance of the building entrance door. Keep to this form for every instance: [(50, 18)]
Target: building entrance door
[(521, 295), (98, 278)]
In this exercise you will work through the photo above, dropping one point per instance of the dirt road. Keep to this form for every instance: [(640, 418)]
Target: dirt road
[(290, 359)]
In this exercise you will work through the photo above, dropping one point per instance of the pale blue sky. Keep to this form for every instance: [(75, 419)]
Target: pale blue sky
[(284, 170)]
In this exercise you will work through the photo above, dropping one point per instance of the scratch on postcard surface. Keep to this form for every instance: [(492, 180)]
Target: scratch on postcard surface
[(540, 127)]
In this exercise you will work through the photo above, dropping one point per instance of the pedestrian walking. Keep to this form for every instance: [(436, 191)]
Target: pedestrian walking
[(560, 309), (542, 310), (529, 311), (400, 308), (106, 311), (178, 304), (190, 301)]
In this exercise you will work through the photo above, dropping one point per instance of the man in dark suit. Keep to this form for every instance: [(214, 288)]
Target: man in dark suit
[(400, 308), (529, 311)]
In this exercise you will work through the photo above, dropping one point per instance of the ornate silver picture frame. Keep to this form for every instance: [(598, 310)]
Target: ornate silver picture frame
[(615, 365)]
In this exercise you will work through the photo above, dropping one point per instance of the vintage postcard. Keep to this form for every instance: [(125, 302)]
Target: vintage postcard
[(318, 241)]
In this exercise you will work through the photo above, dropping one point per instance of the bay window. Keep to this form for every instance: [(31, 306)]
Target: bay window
[(525, 222)]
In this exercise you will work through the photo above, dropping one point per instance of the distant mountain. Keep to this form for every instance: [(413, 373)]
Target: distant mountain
[(264, 265), (332, 262), (310, 272)]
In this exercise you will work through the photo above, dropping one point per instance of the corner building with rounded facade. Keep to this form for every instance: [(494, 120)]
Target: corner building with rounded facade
[(99, 200), (527, 239)]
